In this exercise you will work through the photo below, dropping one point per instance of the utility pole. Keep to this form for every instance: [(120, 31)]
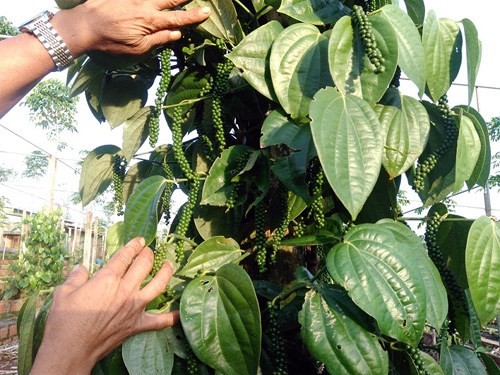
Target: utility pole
[(52, 181)]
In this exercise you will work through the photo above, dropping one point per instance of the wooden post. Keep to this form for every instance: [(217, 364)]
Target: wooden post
[(87, 245), (22, 247), (94, 244)]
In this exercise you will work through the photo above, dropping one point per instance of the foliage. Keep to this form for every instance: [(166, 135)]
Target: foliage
[(40, 266), (36, 164), (290, 138), (52, 108), (494, 131), (7, 28), (5, 174)]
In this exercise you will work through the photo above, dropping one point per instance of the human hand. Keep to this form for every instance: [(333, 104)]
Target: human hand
[(89, 318), (124, 26)]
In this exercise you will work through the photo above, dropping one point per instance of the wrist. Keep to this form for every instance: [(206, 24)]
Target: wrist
[(70, 26), (56, 360)]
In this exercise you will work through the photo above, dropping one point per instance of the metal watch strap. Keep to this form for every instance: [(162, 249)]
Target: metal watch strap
[(53, 43)]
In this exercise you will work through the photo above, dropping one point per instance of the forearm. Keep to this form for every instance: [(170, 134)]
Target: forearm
[(23, 63)]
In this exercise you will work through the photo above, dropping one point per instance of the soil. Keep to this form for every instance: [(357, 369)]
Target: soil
[(8, 358)]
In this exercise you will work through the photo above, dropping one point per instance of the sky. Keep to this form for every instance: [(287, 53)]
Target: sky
[(32, 194)]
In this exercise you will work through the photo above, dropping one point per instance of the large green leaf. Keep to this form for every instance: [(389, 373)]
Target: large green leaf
[(291, 170), (187, 85), (452, 241), (349, 142), (333, 338), (473, 52), (135, 132), (138, 172), (251, 57), (407, 125), (316, 12), (221, 319), (458, 360), (482, 259), (211, 221), (440, 38), (122, 96), (26, 324), (440, 180), (351, 70), (299, 67), (90, 74), (231, 168), (97, 172), (411, 244), (430, 364), (381, 279), (223, 21), (468, 151), (411, 54), (141, 212), (148, 353), (210, 255), (115, 237), (482, 170), (416, 11)]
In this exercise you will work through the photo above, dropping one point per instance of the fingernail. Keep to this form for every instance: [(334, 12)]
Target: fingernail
[(142, 241), (205, 10), (176, 34)]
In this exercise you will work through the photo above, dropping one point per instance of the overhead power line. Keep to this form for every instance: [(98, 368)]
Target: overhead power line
[(38, 147)]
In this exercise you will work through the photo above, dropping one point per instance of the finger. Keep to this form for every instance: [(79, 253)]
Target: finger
[(78, 276), (167, 4), (154, 322), (157, 284), (164, 37), (180, 18), (139, 269), (124, 257)]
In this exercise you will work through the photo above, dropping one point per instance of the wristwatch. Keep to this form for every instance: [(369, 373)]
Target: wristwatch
[(41, 27)]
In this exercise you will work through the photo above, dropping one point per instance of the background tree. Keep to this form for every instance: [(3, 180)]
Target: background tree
[(36, 164), (5, 174), (7, 28), (290, 138), (494, 131)]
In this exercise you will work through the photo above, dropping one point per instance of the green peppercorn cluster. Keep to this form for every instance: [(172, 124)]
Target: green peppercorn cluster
[(396, 79), (119, 167), (199, 124), (299, 228), (317, 208), (154, 119), (364, 26), (260, 236), (449, 280), (192, 361), (160, 256), (167, 193), (416, 357), (218, 91), (280, 231), (186, 216), (451, 133), (191, 176), (278, 352)]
